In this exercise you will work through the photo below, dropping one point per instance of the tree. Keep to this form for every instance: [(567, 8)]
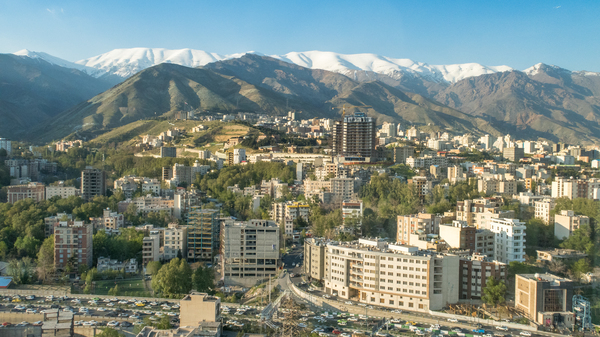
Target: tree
[(203, 279), (45, 259), (580, 268), (174, 278), (494, 292), (153, 267), (164, 324), (21, 270), (114, 291)]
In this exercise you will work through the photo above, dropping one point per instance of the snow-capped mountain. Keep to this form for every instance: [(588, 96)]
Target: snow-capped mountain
[(126, 62), (348, 64), (54, 60)]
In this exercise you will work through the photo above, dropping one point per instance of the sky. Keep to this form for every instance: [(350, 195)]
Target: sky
[(518, 34)]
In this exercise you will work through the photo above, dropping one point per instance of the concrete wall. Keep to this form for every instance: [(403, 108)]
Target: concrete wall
[(18, 317), (19, 331)]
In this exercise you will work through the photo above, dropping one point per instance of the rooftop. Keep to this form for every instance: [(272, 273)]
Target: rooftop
[(544, 277)]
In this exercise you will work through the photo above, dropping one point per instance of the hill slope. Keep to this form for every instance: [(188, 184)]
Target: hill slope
[(545, 101), (33, 91), (250, 83)]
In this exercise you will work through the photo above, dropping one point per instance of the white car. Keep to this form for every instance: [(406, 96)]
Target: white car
[(502, 328), (525, 333), (76, 301), (112, 323), (101, 309), (453, 320), (348, 302), (326, 296), (30, 297), (31, 311), (135, 317)]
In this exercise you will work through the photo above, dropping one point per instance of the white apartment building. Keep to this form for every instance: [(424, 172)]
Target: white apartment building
[(6, 144), (372, 271), (151, 247), (249, 252), (175, 241), (480, 212), (509, 240), (130, 184), (543, 209), (566, 222), (61, 191), (563, 187)]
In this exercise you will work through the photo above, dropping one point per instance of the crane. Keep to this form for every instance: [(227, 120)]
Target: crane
[(351, 106)]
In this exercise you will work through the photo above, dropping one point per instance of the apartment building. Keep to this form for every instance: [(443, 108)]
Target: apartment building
[(273, 187), (402, 153), (416, 223), (73, 244), (202, 234), (151, 247), (352, 209), (372, 271), (480, 212), (543, 210), (513, 153), (485, 242), (455, 174), (6, 144), (564, 187), (315, 187), (496, 184), (93, 183), (108, 221), (35, 191), (183, 201), (129, 266), (331, 170), (354, 136), (475, 272), (287, 212), (174, 241), (423, 185), (427, 161), (130, 184), (249, 252), (344, 188), (314, 258), (62, 191), (147, 204), (51, 221), (510, 240), (566, 222), (545, 299), (458, 235)]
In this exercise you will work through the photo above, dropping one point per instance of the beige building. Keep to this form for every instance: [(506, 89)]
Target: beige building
[(497, 185), (372, 271), (314, 258), (73, 242), (414, 224), (480, 212), (566, 222), (35, 191), (543, 209), (544, 298), (475, 271), (249, 252), (151, 247), (198, 308), (61, 191), (458, 235)]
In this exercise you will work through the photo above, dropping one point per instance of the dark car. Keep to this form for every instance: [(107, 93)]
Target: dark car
[(55, 306)]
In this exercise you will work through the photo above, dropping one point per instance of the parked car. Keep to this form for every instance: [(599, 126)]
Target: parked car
[(453, 320), (502, 328), (525, 333)]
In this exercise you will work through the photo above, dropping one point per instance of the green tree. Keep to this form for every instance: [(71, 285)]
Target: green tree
[(153, 267), (164, 323), (494, 292), (580, 268), (22, 271), (45, 259), (174, 278), (204, 279)]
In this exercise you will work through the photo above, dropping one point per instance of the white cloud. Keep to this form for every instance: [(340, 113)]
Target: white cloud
[(51, 11)]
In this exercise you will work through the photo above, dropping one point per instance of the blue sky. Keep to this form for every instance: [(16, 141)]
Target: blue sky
[(491, 32)]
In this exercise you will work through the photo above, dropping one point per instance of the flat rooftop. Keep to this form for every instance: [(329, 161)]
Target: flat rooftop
[(545, 277)]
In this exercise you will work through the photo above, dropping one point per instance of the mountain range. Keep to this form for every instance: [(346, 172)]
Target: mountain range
[(541, 101)]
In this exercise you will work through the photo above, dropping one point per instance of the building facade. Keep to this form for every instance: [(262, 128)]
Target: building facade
[(35, 191), (202, 234), (93, 183), (354, 136), (73, 244)]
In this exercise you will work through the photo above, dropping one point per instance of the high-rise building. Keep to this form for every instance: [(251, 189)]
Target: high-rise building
[(151, 247), (287, 212), (354, 136), (513, 153), (202, 234), (175, 241), (93, 183), (61, 190), (475, 272), (249, 252), (510, 240), (543, 209), (73, 244)]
